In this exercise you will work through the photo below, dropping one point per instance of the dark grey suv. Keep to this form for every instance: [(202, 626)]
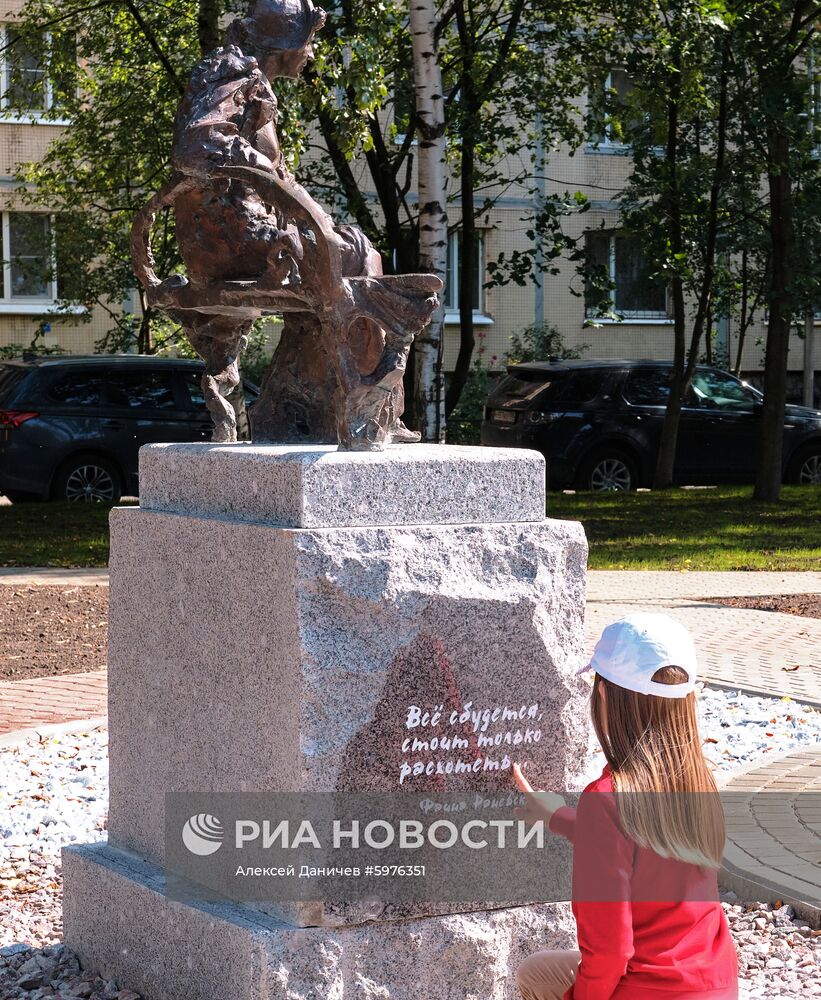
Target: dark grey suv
[(598, 424), (71, 427)]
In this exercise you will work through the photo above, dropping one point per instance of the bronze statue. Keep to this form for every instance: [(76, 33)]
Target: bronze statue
[(255, 243)]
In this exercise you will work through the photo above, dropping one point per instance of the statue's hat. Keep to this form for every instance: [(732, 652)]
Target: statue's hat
[(282, 24)]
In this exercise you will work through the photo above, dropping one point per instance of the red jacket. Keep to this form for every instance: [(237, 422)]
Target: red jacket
[(633, 946)]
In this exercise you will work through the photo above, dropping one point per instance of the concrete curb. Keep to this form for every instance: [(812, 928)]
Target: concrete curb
[(21, 576), (723, 778), (749, 890), (45, 731)]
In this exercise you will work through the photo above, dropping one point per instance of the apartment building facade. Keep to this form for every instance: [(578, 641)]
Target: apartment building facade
[(599, 169)]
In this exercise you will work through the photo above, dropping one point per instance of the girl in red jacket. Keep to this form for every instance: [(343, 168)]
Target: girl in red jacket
[(648, 836)]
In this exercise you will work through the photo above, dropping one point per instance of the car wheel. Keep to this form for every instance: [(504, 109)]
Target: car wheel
[(89, 479), (806, 468), (609, 471)]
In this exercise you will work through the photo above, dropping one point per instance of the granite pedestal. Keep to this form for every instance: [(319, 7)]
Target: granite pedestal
[(275, 614)]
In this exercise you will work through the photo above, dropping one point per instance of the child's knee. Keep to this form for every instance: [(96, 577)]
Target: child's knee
[(547, 975), (525, 978)]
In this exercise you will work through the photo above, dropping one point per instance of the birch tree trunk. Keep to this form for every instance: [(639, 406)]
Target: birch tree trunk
[(428, 387)]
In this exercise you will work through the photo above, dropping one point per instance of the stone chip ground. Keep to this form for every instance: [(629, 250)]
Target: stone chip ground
[(53, 971)]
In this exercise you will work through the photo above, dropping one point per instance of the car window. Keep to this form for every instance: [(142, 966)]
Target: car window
[(524, 389), (717, 390), (580, 387), (193, 385), (141, 390), (647, 386), (78, 388), (9, 378)]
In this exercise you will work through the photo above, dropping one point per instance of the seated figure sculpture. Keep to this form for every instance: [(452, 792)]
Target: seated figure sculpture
[(255, 243)]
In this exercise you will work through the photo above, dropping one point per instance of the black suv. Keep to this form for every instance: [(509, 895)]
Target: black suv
[(71, 427), (598, 424)]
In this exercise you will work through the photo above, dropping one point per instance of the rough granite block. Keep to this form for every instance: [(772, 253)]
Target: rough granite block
[(318, 486), (244, 657), (119, 922), (277, 615)]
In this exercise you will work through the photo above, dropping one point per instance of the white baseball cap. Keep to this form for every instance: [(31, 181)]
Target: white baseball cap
[(633, 648)]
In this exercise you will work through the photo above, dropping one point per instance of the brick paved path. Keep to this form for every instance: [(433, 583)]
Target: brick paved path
[(773, 815), (738, 648), (45, 700)]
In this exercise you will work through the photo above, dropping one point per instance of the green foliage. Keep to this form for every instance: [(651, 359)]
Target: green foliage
[(257, 355), (134, 58), (549, 243), (363, 57), (720, 529), (36, 346), (359, 53), (124, 337), (760, 89), (540, 342), (54, 534), (514, 73), (120, 94), (672, 58), (465, 421)]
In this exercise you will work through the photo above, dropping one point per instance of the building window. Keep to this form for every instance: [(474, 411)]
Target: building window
[(29, 274), (24, 86), (614, 120), (609, 109), (618, 260), (454, 267)]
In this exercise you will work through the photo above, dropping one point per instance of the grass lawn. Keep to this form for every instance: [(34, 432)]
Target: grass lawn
[(712, 529), (54, 534), (681, 529)]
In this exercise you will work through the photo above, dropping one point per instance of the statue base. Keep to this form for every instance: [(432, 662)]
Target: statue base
[(118, 921), (278, 616)]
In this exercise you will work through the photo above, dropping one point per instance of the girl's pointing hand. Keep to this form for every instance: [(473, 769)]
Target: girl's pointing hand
[(537, 805)]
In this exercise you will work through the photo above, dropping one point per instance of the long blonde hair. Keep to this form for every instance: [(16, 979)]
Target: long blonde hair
[(666, 796)]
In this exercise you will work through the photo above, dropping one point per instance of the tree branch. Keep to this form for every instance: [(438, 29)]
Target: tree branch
[(495, 71), (151, 38)]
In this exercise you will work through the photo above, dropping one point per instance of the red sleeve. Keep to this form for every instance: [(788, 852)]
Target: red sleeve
[(602, 870), (563, 823)]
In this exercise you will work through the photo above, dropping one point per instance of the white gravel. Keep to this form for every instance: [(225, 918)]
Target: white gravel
[(738, 729), (56, 792), (53, 792), (779, 956), (746, 728)]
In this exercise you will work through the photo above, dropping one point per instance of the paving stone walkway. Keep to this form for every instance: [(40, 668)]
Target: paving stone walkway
[(48, 700), (773, 813), (755, 651)]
